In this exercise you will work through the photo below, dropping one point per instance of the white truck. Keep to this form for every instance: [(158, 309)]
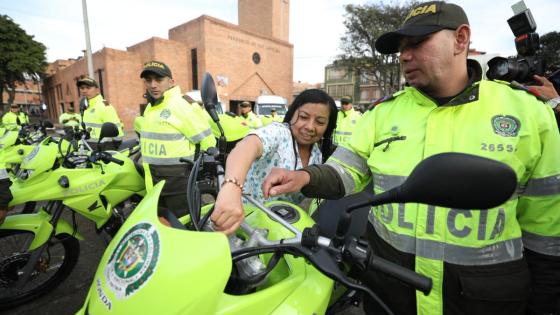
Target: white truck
[(265, 103)]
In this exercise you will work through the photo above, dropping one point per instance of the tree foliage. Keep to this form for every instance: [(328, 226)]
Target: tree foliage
[(364, 24), (19, 54), (551, 49)]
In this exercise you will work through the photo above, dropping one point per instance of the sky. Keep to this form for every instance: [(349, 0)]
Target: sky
[(316, 26)]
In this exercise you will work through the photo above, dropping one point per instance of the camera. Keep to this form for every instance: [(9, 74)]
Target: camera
[(528, 61)]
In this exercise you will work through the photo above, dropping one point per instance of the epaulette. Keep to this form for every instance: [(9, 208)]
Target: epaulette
[(518, 86), (383, 99), (106, 102), (230, 114), (266, 116), (189, 99)]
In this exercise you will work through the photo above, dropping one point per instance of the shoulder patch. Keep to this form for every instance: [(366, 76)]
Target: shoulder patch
[(381, 100), (518, 86), (188, 99)]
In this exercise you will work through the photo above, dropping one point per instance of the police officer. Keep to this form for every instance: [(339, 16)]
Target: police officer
[(69, 119), (345, 121), (98, 112), (251, 119), (171, 129), (480, 262), (14, 118)]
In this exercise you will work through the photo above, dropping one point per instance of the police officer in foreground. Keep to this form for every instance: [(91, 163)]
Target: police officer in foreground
[(15, 118), (98, 112), (481, 262), (346, 121), (171, 129)]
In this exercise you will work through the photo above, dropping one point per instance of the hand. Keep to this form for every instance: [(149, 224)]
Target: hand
[(228, 210), (546, 89), (281, 181), (3, 214)]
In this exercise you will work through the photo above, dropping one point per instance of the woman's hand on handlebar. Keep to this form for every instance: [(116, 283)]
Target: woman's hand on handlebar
[(228, 210)]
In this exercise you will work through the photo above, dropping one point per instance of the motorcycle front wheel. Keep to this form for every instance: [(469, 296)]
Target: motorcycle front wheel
[(55, 264)]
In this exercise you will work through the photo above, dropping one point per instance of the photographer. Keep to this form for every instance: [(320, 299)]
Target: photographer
[(546, 91)]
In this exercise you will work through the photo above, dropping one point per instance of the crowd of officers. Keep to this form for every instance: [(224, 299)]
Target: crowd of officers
[(500, 261)]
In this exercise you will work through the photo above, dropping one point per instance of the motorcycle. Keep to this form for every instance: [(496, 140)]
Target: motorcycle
[(39, 250), (16, 144), (278, 262)]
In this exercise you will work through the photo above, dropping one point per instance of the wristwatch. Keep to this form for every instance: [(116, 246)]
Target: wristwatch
[(554, 102)]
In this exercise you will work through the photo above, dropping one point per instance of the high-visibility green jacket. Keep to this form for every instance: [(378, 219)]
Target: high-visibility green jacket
[(97, 113), (252, 120), (172, 128), (69, 119), (267, 119), (233, 126), (345, 123), (489, 119), (10, 120)]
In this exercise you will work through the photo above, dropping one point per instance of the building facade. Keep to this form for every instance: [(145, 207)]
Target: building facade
[(245, 60), (341, 81)]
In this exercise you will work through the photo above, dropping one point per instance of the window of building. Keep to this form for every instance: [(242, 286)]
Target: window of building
[(100, 82), (334, 74), (194, 65)]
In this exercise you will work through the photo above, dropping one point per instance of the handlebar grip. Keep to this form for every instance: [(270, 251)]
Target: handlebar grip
[(114, 160), (418, 281)]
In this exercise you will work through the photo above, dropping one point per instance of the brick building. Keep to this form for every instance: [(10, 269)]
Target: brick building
[(28, 96), (246, 60)]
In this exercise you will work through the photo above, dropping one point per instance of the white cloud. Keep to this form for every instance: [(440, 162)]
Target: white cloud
[(315, 25)]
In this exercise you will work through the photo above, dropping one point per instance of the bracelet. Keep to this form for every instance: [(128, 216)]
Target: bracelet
[(233, 181)]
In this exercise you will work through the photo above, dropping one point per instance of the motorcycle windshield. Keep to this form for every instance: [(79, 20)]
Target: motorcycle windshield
[(149, 268)]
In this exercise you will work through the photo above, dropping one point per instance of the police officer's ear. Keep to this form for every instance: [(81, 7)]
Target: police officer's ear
[(462, 39)]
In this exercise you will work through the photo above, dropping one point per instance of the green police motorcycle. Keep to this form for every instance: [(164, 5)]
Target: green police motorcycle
[(16, 144), (278, 262), (39, 250)]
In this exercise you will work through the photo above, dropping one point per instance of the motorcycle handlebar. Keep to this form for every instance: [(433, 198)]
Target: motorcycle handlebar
[(109, 158), (418, 281)]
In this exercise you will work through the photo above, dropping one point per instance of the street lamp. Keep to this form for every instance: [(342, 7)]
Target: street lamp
[(88, 44)]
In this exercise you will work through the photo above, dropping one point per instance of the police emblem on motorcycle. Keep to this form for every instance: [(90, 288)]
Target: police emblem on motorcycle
[(133, 261), (507, 126), (165, 113)]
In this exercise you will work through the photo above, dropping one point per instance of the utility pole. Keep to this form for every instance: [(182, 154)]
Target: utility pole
[(88, 44)]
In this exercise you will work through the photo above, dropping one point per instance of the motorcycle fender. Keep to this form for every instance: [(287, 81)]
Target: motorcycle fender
[(38, 224)]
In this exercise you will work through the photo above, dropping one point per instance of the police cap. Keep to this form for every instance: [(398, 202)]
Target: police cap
[(424, 19), (156, 67)]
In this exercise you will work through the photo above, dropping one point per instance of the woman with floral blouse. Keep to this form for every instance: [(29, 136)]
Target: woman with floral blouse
[(303, 138)]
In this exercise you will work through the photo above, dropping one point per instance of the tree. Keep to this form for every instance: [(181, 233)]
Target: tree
[(364, 24), (551, 49), (19, 54)]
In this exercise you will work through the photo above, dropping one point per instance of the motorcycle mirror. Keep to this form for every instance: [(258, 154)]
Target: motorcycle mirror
[(455, 180), (108, 129), (209, 96), (83, 104)]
